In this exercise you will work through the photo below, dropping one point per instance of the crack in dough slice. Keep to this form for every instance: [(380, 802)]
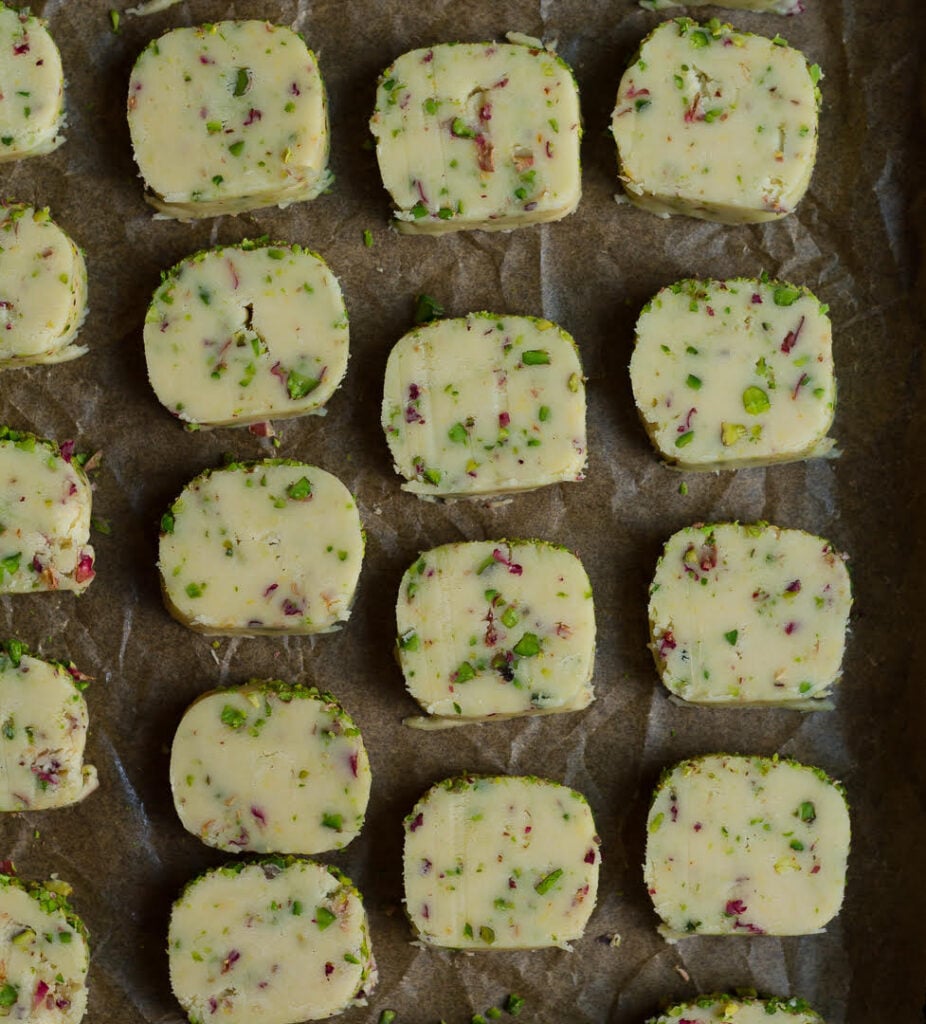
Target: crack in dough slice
[(272, 767), (31, 87), (228, 117), (478, 135), (281, 941), (735, 373), (727, 1009), (500, 862), (261, 547), (749, 615), (485, 405), (246, 333), (493, 629), (716, 124), (43, 731), (45, 500), (43, 289), (44, 952), (746, 846)]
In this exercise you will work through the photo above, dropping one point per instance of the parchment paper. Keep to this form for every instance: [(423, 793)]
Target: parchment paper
[(124, 849)]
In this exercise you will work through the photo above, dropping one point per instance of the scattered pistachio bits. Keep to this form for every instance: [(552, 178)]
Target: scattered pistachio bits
[(746, 846), (484, 405), (478, 135), (735, 373), (43, 289), (31, 87), (45, 502), (261, 547), (281, 941), (246, 333), (43, 730), (228, 117), (497, 628), (272, 767), (43, 951), (749, 615), (717, 124), (726, 1009), (500, 862)]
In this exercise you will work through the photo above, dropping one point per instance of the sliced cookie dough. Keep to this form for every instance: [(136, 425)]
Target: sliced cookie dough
[(43, 289), (500, 862), (478, 135), (727, 1009), (228, 117), (45, 501), (44, 952), (272, 767), (261, 547), (491, 629), (746, 846), (281, 941), (43, 732), (716, 124), (485, 405), (31, 87), (749, 615), (735, 373), (247, 333)]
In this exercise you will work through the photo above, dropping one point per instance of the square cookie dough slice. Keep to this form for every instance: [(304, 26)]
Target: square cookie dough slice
[(716, 124), (727, 1009), (500, 862), (246, 333), (261, 547), (746, 846), (749, 615), (31, 87), (45, 501), (735, 373), (43, 289), (280, 941), (228, 117), (43, 731), (272, 767), (493, 629), (485, 405), (44, 952), (478, 135)]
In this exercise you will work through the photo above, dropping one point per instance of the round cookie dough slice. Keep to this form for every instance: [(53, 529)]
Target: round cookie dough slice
[(749, 615), (228, 117), (492, 629), (735, 373), (726, 1009), (245, 334), (44, 952), (45, 500), (43, 289), (478, 135), (272, 767), (281, 941), (261, 547), (746, 846), (485, 405), (43, 731), (31, 87), (500, 862), (716, 124)]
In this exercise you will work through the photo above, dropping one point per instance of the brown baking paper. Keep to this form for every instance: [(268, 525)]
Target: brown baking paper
[(124, 850)]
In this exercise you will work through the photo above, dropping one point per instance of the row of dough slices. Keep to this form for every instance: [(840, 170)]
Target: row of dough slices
[(742, 614), (736, 846)]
